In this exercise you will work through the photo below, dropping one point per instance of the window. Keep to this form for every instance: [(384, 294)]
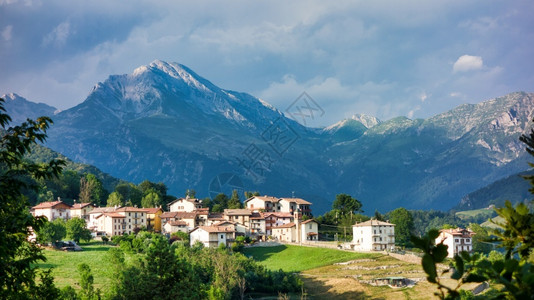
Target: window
[(222, 236), (456, 240), (130, 226), (468, 240), (129, 214), (310, 226)]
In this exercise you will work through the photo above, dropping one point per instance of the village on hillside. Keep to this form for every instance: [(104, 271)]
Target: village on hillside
[(264, 218)]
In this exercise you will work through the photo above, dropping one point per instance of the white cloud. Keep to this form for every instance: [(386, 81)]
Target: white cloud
[(411, 113), (467, 63), (58, 36), (6, 33), (423, 97)]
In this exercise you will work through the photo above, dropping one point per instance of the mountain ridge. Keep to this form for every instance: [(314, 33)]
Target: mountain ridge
[(166, 123)]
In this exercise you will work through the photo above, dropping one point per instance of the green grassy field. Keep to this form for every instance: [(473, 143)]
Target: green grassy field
[(65, 265), (475, 212), (497, 219), (298, 258)]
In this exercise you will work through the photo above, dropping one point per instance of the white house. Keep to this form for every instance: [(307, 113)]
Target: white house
[(52, 210), (94, 214), (81, 210), (457, 239), (291, 205), (297, 232), (185, 204), (173, 226), (135, 218), (111, 223), (373, 235), (262, 204), (257, 225), (240, 216), (212, 236), (191, 220), (309, 230)]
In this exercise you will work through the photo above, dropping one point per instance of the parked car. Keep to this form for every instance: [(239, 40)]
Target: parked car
[(69, 246)]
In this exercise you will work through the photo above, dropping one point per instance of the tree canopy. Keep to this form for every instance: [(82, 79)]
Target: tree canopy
[(403, 221), (346, 204), (17, 278)]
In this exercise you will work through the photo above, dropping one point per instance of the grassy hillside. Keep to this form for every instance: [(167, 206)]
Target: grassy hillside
[(482, 213), (65, 265), (298, 258)]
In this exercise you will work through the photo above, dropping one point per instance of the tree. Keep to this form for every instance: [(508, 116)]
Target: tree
[(87, 291), (346, 204), (250, 194), (404, 227), (190, 193), (379, 216), (235, 202), (151, 199), (17, 278), (161, 275), (91, 189), (115, 199), (147, 186), (52, 232), (129, 192), (76, 230), (220, 202)]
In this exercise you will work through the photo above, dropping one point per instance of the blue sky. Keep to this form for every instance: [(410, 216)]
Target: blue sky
[(383, 58)]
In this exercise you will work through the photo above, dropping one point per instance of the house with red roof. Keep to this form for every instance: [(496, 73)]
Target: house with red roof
[(52, 210), (458, 240), (111, 223), (81, 210), (213, 236)]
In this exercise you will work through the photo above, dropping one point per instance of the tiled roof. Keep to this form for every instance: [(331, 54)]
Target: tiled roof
[(308, 221), (222, 223), (168, 214), (192, 200), (264, 198), (297, 200), (81, 205), (50, 204), (278, 214), (112, 215), (257, 216), (99, 210), (130, 209), (152, 210), (215, 229), (237, 212), (178, 215), (178, 223), (288, 225), (373, 223), (458, 232)]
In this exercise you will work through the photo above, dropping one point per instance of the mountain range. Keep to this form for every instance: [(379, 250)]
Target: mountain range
[(166, 123)]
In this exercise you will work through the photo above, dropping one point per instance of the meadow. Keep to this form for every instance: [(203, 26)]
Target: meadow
[(292, 258), (65, 265)]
